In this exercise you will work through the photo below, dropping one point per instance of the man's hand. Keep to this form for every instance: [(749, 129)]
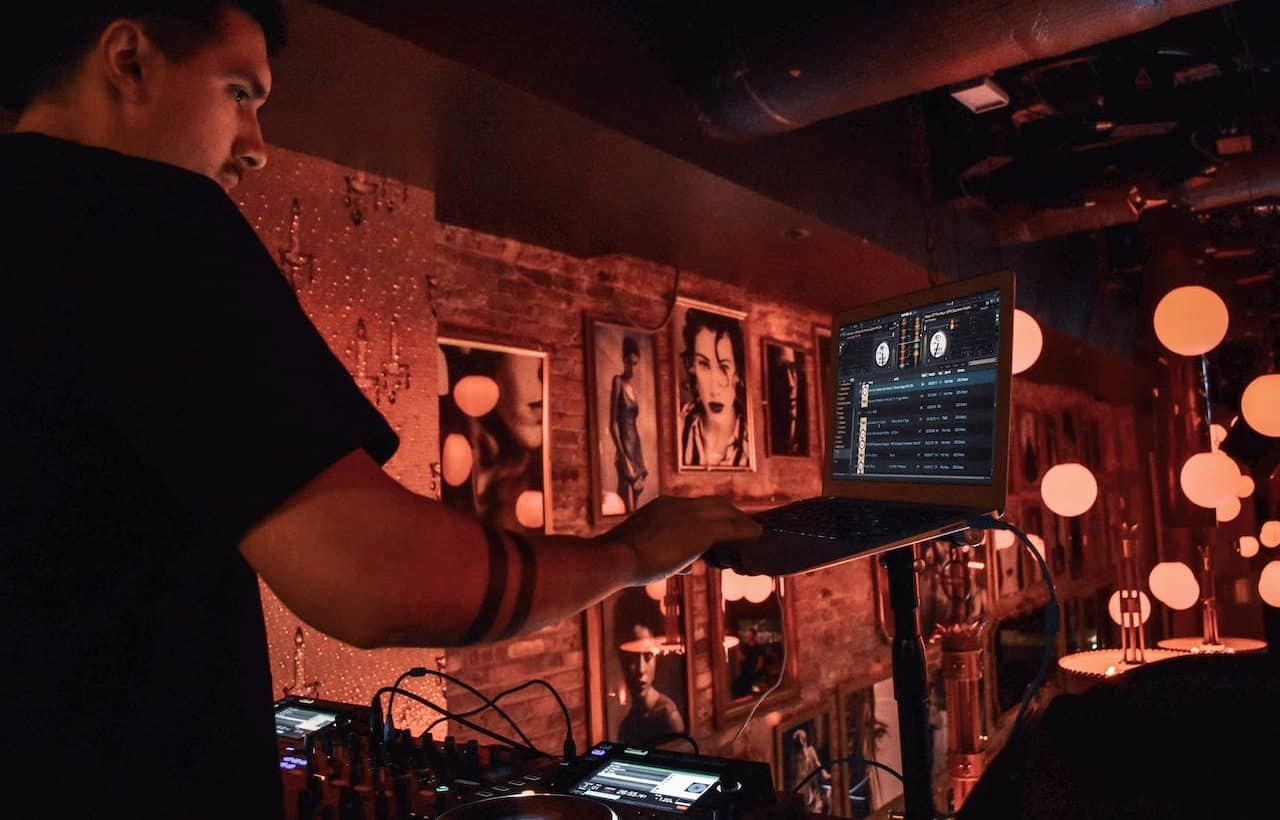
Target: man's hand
[(669, 533)]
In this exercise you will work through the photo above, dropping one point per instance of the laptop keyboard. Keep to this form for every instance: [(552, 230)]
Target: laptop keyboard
[(837, 518)]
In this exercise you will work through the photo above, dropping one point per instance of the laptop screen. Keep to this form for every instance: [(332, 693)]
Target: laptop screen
[(915, 393)]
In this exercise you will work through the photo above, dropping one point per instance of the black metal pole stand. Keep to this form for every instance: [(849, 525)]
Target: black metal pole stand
[(910, 684)]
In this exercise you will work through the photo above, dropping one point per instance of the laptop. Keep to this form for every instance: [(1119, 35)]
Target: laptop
[(918, 430)]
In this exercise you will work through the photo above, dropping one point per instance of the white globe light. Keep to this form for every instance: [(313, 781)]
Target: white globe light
[(657, 590), (1191, 320), (1209, 479), (1217, 434), (1227, 510), (758, 588), (1260, 404), (475, 395), (456, 459), (1004, 539), (1144, 607), (1269, 583), (612, 504), (1069, 489), (1028, 341), (1248, 546), (1269, 535), (1174, 585), (732, 585), (1245, 487), (529, 509)]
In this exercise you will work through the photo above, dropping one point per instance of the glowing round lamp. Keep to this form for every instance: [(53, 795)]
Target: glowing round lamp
[(1004, 539), (1191, 320), (1248, 546), (1270, 534), (1217, 434), (1027, 341), (475, 395), (657, 590), (1209, 479), (1260, 404), (1245, 487), (529, 509), (732, 585), (1227, 510), (612, 504), (1144, 607), (758, 588), (1174, 585), (456, 459), (1269, 583), (1069, 489)]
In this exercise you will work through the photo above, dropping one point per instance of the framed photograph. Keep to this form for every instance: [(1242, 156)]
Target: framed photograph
[(494, 460), (931, 557), (753, 641), (858, 732), (823, 358), (1051, 446), (623, 414), (1028, 467), (1033, 523), (646, 679), (1007, 561), (802, 745), (714, 429), (786, 398), (887, 742)]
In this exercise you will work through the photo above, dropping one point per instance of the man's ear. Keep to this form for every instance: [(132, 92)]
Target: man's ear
[(128, 59)]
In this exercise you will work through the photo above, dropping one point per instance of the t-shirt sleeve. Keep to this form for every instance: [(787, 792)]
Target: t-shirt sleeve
[(196, 347)]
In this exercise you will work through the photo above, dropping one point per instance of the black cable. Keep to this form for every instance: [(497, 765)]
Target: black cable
[(420, 671), (1052, 615), (376, 706), (669, 736), (569, 750), (844, 761)]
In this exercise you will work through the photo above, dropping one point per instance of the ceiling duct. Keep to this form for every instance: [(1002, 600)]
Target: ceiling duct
[(1246, 178), (784, 79)]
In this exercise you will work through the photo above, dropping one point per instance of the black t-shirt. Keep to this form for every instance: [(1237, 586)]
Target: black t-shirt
[(161, 391)]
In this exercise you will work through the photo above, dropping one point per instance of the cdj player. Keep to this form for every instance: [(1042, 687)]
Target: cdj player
[(332, 771)]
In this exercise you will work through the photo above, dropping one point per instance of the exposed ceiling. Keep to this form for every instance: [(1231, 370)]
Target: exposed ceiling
[(1091, 136)]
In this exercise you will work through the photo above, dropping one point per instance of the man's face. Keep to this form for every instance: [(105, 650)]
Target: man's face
[(202, 113), (715, 372)]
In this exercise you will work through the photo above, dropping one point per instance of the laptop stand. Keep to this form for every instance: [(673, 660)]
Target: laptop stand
[(910, 684)]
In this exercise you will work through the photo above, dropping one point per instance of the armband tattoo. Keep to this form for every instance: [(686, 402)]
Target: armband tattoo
[(493, 591), (528, 580)]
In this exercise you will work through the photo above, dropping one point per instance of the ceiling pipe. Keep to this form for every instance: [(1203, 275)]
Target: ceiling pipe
[(1243, 179), (875, 52)]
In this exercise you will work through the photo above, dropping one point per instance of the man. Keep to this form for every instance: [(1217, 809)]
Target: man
[(172, 424)]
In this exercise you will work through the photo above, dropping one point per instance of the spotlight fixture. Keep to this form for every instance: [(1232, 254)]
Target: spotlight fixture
[(980, 96)]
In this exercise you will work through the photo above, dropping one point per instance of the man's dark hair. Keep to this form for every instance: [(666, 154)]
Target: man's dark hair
[(51, 39)]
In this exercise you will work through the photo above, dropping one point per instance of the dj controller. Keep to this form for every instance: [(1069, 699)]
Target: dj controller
[(333, 769)]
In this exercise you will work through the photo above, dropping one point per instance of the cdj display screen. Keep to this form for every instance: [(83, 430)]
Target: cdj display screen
[(653, 787), (297, 722)]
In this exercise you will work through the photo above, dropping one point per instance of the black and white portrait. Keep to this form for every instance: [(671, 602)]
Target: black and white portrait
[(787, 399), (1028, 466), (646, 665), (624, 417), (493, 427), (802, 747), (713, 426), (822, 354)]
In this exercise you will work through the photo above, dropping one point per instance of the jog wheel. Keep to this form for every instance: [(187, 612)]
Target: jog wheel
[(531, 807)]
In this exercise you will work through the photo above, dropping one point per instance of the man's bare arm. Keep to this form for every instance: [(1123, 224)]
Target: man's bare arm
[(359, 557)]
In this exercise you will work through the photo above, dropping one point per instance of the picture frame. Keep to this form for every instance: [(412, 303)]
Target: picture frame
[(1033, 523), (824, 359), (716, 431), (804, 743), (622, 416), (745, 666), (640, 665), (494, 433), (786, 398), (858, 731), (930, 588), (1029, 466), (1007, 562)]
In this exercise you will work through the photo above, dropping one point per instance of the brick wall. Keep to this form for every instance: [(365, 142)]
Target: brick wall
[(374, 252)]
